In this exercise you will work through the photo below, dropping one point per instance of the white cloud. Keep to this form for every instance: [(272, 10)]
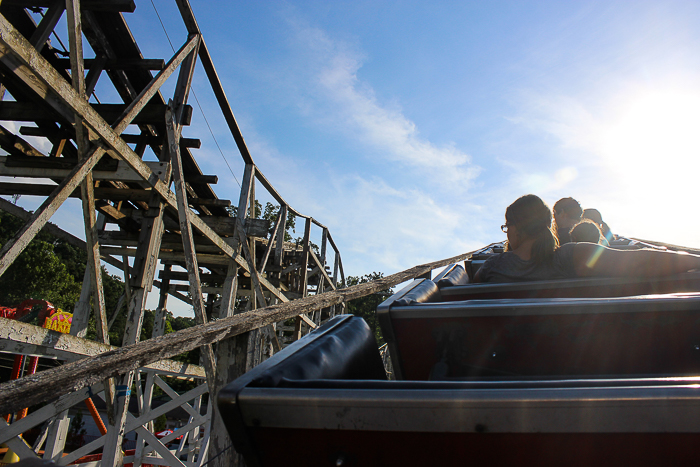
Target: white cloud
[(341, 99), (391, 229)]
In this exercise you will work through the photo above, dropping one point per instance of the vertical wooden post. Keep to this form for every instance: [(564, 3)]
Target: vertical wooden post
[(303, 274), (335, 277), (158, 330), (93, 273), (81, 312), (279, 242), (188, 240), (87, 186), (231, 354)]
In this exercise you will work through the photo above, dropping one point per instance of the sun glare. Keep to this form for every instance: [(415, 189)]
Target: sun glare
[(655, 131), (653, 152)]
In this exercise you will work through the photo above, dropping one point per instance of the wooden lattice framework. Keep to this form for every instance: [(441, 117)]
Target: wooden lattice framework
[(166, 211)]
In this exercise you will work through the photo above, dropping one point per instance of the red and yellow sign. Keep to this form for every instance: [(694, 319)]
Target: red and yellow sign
[(59, 321)]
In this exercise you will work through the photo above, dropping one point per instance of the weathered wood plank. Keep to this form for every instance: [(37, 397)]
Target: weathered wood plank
[(27, 339), (271, 243), (308, 322), (322, 270), (94, 266), (49, 384), (45, 167), (16, 146), (207, 353), (137, 106)]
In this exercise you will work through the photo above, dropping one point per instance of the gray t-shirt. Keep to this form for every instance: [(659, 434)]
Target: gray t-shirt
[(508, 267)]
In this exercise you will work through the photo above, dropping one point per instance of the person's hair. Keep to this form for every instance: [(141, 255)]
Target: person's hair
[(586, 231), (570, 206), (592, 214), (533, 219)]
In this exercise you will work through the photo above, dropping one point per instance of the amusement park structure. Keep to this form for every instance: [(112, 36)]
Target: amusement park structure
[(150, 212)]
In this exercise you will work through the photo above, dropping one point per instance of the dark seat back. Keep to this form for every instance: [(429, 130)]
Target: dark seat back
[(592, 337)]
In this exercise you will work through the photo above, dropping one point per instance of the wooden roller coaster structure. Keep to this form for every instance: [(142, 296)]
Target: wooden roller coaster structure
[(132, 168)]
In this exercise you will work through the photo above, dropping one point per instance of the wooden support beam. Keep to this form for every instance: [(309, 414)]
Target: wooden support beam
[(26, 339), (307, 321), (54, 230), (94, 74), (156, 140), (47, 25), (271, 242), (322, 270), (210, 70), (303, 278), (141, 102), (19, 242), (253, 272), (183, 276), (110, 194), (124, 6), (59, 167), (120, 64), (28, 112), (187, 239), (16, 146)]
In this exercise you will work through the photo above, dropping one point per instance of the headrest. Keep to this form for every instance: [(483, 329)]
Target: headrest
[(457, 276), (349, 351), (426, 291)]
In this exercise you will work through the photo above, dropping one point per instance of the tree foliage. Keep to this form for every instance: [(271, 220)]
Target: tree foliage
[(38, 272), (366, 307)]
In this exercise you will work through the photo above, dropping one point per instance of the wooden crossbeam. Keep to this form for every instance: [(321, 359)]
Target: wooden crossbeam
[(119, 64), (124, 6), (23, 338), (322, 270), (29, 112), (111, 194), (52, 383), (37, 416), (58, 167)]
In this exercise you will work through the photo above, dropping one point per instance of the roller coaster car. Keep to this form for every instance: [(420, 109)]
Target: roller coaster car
[(582, 372)]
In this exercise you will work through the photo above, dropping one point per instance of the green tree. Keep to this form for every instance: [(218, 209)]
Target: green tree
[(38, 272), (366, 307)]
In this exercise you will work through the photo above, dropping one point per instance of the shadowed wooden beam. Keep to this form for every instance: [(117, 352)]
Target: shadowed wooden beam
[(29, 112), (120, 64), (124, 6)]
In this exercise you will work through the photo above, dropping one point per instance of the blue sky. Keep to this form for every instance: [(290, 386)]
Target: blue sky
[(408, 127)]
